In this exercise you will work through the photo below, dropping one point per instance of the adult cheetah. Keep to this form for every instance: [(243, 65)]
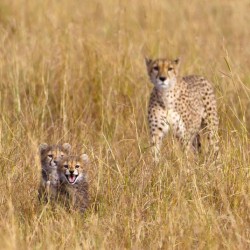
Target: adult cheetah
[(186, 105)]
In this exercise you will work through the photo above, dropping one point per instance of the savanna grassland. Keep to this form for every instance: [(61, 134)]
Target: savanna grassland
[(73, 71)]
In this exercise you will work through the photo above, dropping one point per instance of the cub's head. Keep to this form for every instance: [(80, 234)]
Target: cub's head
[(72, 169), (53, 154), (162, 72)]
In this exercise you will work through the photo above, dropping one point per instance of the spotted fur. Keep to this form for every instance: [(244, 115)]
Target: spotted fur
[(50, 156), (73, 182), (185, 105)]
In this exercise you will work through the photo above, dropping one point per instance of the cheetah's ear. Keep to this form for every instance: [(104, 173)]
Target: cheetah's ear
[(66, 147), (177, 61), (43, 147), (84, 158), (148, 61)]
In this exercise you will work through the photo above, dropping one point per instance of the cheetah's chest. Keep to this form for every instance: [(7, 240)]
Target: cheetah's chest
[(176, 123)]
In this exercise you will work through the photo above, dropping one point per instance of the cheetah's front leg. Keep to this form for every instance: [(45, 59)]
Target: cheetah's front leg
[(158, 126), (156, 142)]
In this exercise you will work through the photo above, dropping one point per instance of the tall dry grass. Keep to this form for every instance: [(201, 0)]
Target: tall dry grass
[(73, 71)]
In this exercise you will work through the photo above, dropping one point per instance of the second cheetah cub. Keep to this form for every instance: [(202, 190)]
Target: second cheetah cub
[(186, 105), (73, 181)]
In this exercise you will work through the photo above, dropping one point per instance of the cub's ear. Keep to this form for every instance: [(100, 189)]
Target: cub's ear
[(66, 147), (43, 147), (177, 61), (85, 158), (148, 61)]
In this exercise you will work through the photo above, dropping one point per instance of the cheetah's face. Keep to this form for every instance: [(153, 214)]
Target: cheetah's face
[(52, 154), (72, 169), (162, 72)]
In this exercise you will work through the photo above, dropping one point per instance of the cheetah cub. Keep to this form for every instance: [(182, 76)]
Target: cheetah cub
[(185, 105), (73, 181), (50, 156)]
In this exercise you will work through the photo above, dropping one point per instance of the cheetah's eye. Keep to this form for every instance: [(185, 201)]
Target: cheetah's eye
[(170, 68), (50, 156), (66, 166), (62, 155), (156, 68), (77, 166)]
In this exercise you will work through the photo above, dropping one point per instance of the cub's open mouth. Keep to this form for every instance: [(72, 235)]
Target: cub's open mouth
[(71, 178)]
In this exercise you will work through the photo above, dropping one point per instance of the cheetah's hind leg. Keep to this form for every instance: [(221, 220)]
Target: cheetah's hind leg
[(211, 127), (196, 144)]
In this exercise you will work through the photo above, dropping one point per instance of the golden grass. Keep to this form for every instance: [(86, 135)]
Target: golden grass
[(73, 71)]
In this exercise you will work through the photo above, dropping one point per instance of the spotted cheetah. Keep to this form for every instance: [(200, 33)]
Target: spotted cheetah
[(50, 156), (185, 105), (73, 182)]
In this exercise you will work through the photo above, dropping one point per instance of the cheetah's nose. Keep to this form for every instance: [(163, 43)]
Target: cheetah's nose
[(162, 78)]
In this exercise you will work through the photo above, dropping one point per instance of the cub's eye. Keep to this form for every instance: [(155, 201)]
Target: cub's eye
[(156, 68), (62, 155), (77, 166), (66, 166), (51, 156), (170, 68)]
